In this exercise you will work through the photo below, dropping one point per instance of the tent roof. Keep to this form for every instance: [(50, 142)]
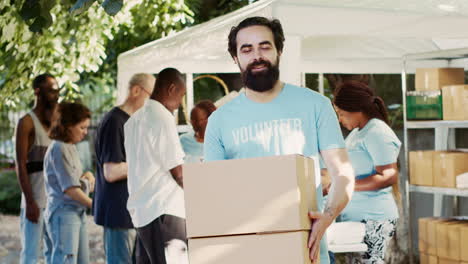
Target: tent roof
[(339, 36)]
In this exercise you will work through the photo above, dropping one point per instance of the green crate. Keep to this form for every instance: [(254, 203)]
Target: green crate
[(424, 105)]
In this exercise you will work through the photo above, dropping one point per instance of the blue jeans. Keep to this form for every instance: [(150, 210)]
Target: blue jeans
[(67, 229), (119, 244), (31, 236)]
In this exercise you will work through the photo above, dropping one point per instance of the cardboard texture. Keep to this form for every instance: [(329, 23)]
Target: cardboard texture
[(421, 167), (231, 197), (447, 261), (455, 102), (431, 242), (422, 233), (280, 248), (448, 239), (464, 243), (446, 167), (436, 78), (427, 259)]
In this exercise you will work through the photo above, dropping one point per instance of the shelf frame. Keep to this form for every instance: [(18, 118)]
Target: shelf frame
[(443, 131), (439, 190)]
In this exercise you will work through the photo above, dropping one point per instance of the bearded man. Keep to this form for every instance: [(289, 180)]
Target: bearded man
[(275, 118)]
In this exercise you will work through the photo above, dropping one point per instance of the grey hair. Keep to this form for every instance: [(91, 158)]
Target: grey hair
[(142, 79)]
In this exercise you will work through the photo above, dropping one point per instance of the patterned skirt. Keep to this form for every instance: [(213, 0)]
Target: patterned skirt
[(378, 235)]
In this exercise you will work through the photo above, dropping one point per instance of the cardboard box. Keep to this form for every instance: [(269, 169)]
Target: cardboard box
[(436, 78), (446, 167), (420, 163), (422, 233), (448, 239), (427, 259), (431, 242), (455, 102), (280, 248), (464, 244), (231, 197), (447, 261)]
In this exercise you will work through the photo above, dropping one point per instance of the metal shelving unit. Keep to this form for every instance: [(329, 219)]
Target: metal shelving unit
[(439, 190), (436, 124), (444, 136)]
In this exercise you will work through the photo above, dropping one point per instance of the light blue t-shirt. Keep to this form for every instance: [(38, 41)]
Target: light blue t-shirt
[(374, 145), (62, 170), (192, 148), (297, 121)]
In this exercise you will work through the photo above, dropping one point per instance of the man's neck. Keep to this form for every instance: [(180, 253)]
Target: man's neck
[(267, 96), (43, 114), (128, 107), (164, 101)]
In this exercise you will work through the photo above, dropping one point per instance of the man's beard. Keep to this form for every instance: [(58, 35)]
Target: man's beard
[(261, 81), (48, 103)]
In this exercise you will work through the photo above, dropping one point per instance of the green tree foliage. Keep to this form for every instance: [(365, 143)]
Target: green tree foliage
[(73, 44), (207, 9)]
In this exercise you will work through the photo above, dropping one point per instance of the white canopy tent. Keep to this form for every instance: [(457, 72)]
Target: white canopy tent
[(322, 36)]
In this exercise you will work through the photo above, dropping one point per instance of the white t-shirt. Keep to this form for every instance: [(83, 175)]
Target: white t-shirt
[(153, 148)]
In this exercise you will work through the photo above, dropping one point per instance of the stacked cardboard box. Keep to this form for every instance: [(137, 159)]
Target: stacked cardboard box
[(446, 167), (437, 168), (250, 210), (455, 102), (430, 79), (421, 167), (443, 241), (450, 81)]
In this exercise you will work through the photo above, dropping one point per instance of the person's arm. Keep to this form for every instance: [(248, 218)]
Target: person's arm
[(90, 177), (78, 195), (176, 173), (65, 159), (170, 151), (213, 148), (115, 171), (341, 190), (23, 142), (325, 180), (386, 176), (110, 150)]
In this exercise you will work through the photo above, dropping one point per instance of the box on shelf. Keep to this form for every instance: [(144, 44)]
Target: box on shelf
[(424, 105), (449, 239), (436, 78), (420, 163), (232, 197), (431, 235), (447, 261), (455, 102), (446, 167), (274, 248), (427, 259), (422, 232), (464, 244)]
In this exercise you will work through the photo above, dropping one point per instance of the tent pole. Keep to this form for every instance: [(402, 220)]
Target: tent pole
[(320, 84), (190, 92)]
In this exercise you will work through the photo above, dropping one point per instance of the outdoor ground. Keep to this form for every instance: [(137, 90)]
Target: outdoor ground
[(10, 244)]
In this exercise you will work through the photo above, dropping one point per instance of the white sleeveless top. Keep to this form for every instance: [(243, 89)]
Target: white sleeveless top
[(35, 163)]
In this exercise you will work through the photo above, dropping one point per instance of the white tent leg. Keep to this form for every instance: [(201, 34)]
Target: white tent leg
[(190, 92), (321, 87), (290, 71)]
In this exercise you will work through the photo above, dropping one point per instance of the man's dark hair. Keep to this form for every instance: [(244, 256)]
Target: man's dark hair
[(67, 115), (40, 79), (165, 78), (274, 25)]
